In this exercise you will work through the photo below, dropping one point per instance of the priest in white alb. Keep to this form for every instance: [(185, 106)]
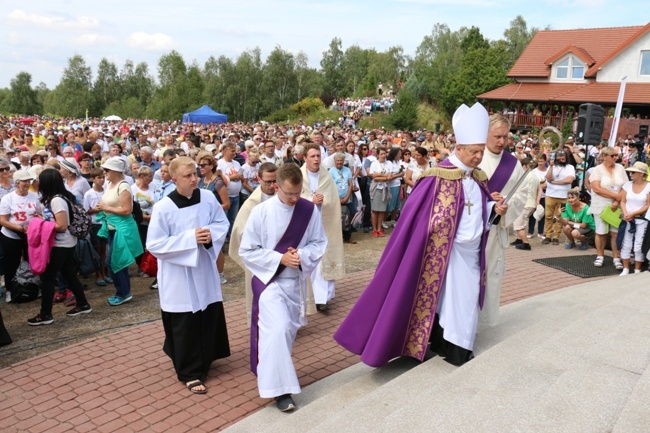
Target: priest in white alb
[(186, 232), (319, 187), (430, 281), (283, 242), (503, 170)]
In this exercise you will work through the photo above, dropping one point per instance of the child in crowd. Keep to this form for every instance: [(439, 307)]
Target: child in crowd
[(91, 198)]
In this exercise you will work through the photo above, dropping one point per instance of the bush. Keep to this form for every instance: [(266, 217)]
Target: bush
[(307, 106), (281, 116)]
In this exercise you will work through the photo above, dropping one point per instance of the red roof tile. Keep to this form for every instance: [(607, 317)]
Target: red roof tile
[(600, 93), (599, 44)]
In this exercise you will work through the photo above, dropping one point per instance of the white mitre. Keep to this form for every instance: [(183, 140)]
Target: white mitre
[(471, 124)]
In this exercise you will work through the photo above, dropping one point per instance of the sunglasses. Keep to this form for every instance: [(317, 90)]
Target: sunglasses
[(3, 169), (205, 165)]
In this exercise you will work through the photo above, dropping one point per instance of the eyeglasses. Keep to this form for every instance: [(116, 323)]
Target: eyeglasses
[(3, 169), (290, 194), (268, 182)]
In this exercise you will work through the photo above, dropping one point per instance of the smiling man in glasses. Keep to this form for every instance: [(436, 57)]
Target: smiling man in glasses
[(267, 175)]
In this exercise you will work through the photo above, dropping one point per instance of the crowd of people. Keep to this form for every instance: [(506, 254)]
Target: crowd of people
[(180, 192)]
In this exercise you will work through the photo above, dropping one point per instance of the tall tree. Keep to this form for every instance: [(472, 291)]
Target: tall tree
[(517, 37), (171, 98), (309, 80), (438, 58), (107, 84), (73, 95), (354, 68), (280, 81), (483, 68), (195, 86), (331, 65), (23, 99)]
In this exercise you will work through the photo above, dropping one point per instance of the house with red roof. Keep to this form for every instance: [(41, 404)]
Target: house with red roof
[(561, 69)]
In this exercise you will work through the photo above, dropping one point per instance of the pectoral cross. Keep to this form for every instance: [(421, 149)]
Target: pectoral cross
[(469, 205)]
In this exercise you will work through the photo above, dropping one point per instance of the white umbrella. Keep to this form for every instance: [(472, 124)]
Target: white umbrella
[(112, 117)]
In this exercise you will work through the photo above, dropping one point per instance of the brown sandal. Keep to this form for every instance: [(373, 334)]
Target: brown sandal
[(195, 384)]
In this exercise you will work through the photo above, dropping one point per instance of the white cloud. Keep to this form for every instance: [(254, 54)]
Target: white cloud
[(14, 38), (93, 39), (18, 16), (151, 41)]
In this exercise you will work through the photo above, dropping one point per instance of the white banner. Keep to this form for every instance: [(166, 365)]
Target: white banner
[(617, 113)]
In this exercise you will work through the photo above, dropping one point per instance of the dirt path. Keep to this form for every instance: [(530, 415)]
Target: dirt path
[(31, 341)]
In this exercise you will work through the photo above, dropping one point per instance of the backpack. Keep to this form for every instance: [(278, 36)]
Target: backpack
[(80, 221), (137, 212), (136, 209), (25, 285), (87, 260)]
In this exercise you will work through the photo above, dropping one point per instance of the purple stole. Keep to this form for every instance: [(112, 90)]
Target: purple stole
[(290, 239), (502, 173)]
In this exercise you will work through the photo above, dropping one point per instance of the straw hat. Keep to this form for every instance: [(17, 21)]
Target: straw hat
[(638, 167)]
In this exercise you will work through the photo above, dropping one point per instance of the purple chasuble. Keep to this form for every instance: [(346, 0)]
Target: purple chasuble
[(300, 218), (395, 313), (502, 173)]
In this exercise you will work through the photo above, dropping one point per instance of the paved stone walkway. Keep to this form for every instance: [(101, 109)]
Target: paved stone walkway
[(122, 382)]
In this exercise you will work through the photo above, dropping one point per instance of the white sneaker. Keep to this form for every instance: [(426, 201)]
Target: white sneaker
[(384, 225), (529, 236), (637, 271), (542, 237), (625, 271), (222, 278)]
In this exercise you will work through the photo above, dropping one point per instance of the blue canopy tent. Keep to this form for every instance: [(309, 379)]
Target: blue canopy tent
[(206, 115)]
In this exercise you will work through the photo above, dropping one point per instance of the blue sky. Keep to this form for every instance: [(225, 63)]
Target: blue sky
[(39, 36)]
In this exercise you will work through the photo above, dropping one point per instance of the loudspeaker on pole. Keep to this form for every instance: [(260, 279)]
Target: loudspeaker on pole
[(591, 120)]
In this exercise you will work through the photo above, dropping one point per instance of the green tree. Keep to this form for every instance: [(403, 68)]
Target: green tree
[(107, 84), (517, 38), (171, 98), (309, 82), (22, 98), (217, 74), (405, 111), (280, 81), (41, 95), (438, 58), (331, 65), (354, 68), (73, 95), (243, 92), (196, 87), (483, 68)]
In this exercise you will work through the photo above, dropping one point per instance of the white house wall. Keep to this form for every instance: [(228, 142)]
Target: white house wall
[(627, 63)]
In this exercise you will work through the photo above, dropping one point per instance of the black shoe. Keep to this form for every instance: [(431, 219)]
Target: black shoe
[(79, 310), (285, 403), (546, 241), (322, 307), (40, 320), (523, 247), (517, 242), (555, 241)]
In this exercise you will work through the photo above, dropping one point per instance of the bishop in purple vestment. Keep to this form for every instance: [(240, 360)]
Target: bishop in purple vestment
[(430, 281)]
